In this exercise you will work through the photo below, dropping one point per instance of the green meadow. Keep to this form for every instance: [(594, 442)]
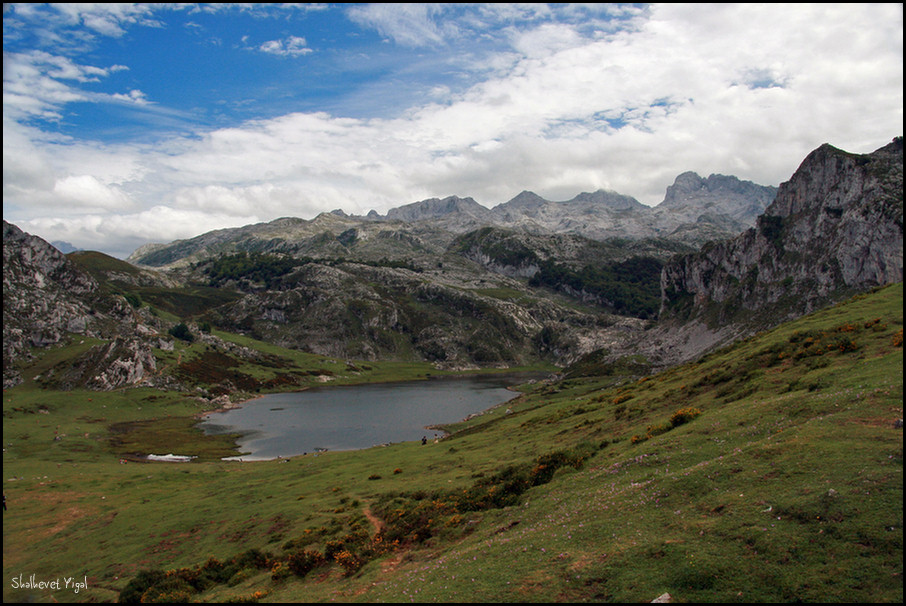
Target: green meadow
[(770, 470)]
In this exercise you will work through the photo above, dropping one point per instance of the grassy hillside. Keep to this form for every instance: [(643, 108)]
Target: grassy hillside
[(143, 286), (771, 470)]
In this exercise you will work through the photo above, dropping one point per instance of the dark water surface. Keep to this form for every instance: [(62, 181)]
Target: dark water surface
[(358, 416)]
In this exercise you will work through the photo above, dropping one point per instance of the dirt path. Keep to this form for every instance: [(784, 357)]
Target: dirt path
[(375, 521)]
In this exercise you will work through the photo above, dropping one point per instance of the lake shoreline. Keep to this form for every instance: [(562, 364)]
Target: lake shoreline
[(359, 416)]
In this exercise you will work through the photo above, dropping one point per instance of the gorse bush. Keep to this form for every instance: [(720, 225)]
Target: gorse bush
[(679, 417), (134, 590), (300, 563), (684, 415)]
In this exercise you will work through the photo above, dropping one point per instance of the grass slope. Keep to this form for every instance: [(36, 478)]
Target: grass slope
[(781, 480)]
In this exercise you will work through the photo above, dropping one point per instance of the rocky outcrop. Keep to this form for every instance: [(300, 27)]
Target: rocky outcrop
[(835, 228), (46, 299), (122, 362)]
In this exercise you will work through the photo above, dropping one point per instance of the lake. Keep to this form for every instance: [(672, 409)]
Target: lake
[(357, 416)]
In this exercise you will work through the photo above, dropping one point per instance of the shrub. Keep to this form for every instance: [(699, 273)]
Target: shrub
[(300, 563), (280, 571), (253, 558), (172, 590), (684, 415), (349, 561), (135, 588), (181, 331), (656, 430), (622, 398)]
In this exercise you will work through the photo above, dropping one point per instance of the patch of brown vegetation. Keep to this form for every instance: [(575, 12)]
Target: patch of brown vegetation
[(216, 369), (46, 517)]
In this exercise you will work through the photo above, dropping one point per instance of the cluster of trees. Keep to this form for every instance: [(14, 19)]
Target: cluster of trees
[(631, 287), (254, 267)]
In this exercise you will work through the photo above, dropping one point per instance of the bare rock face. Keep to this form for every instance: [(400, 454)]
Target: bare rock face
[(834, 229), (42, 297), (123, 362), (46, 299)]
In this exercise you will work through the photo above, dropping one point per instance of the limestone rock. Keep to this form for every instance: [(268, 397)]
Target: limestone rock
[(834, 229)]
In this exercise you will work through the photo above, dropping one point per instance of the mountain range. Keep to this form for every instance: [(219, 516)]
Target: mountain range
[(451, 282), (695, 210)]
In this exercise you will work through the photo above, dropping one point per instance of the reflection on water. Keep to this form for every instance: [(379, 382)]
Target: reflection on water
[(353, 417)]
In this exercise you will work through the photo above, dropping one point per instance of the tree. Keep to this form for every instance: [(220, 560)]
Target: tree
[(181, 331)]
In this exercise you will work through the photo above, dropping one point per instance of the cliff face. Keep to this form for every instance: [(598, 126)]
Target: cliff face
[(835, 228), (46, 299)]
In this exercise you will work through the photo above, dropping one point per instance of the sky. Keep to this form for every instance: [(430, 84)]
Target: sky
[(125, 124)]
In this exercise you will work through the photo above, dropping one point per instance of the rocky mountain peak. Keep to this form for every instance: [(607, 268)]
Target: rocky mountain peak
[(690, 187), (826, 178), (683, 186), (835, 228), (525, 200), (33, 263), (608, 199), (436, 207)]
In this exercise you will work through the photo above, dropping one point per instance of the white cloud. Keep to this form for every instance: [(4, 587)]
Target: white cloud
[(108, 19), (88, 192), (36, 84), (133, 96), (293, 46), (121, 234), (409, 24)]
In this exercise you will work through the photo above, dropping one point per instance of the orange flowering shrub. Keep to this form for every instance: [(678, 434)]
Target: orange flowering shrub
[(684, 415), (349, 561)]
